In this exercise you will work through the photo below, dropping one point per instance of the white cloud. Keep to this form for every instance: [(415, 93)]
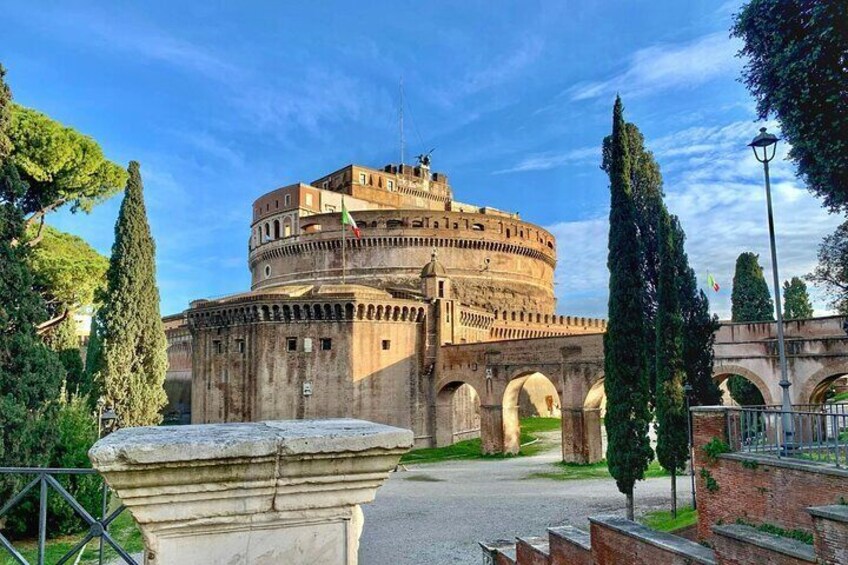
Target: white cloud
[(663, 67), (550, 160), (715, 186)]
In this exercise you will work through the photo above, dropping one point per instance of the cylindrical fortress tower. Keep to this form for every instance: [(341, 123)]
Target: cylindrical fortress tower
[(495, 261)]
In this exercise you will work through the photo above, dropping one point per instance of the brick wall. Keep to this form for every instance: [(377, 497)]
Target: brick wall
[(757, 489), (616, 541), (570, 546), (830, 531), (743, 545)]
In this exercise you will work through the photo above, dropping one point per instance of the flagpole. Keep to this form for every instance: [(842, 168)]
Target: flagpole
[(343, 241)]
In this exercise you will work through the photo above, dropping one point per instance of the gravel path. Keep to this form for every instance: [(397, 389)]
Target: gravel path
[(435, 514)]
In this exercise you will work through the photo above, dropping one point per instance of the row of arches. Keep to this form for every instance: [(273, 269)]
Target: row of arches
[(307, 312), (305, 247)]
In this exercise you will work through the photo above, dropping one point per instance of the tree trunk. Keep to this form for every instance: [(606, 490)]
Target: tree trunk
[(630, 505), (674, 493)]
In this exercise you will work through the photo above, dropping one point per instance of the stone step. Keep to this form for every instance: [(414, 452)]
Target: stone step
[(738, 543), (499, 552), (570, 546), (533, 551)]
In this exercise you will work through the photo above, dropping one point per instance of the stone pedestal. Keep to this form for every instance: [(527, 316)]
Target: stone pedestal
[(253, 494), (492, 428)]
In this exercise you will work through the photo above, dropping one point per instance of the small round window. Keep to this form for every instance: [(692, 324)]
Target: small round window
[(267, 271)]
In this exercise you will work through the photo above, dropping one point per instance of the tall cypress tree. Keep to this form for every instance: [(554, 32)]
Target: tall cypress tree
[(699, 327), (133, 359), (796, 301), (672, 441), (646, 185), (750, 302), (626, 383)]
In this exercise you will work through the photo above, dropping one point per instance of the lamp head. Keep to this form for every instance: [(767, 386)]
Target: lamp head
[(760, 145)]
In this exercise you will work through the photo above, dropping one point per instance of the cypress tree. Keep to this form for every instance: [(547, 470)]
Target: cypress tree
[(796, 301), (672, 440), (133, 359), (699, 327), (626, 383), (64, 341), (750, 302)]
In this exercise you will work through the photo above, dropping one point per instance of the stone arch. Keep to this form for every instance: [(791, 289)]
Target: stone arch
[(510, 406), (457, 413), (722, 372), (276, 229), (815, 386), (349, 310)]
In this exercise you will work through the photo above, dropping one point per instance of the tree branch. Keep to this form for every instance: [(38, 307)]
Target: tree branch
[(45, 327)]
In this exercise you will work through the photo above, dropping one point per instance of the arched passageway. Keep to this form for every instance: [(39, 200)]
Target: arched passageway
[(823, 383), (537, 386), (721, 374), (458, 413)]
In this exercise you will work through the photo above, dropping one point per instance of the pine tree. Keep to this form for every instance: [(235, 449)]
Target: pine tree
[(626, 382), (672, 440), (699, 328), (796, 301), (750, 302), (133, 359)]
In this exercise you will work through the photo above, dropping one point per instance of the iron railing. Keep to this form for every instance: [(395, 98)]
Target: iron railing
[(816, 433), (97, 528)]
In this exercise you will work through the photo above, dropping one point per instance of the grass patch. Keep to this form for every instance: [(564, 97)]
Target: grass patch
[(662, 521), (123, 530), (798, 535), (473, 448), (576, 471)]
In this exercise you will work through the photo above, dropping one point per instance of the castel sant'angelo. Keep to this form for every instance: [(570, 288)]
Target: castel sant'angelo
[(322, 333)]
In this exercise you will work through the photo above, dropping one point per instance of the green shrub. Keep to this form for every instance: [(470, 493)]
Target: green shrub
[(714, 448)]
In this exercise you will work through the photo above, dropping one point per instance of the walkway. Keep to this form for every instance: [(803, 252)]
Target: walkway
[(436, 513)]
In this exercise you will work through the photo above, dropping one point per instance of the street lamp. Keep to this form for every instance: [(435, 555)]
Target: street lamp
[(765, 148), (687, 389), (106, 418)]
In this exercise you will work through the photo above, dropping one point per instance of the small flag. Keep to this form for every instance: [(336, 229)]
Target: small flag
[(712, 282), (347, 220)]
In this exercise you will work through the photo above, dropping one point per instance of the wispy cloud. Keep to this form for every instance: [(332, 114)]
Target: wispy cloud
[(552, 160), (663, 67), (715, 186), (504, 68)]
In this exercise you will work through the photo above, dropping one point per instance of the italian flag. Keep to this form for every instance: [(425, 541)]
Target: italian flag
[(347, 220), (712, 282)]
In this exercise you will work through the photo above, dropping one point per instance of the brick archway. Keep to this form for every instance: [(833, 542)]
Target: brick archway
[(509, 403), (445, 432)]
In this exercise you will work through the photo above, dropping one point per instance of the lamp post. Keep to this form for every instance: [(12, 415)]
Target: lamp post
[(765, 148), (106, 418), (687, 389)]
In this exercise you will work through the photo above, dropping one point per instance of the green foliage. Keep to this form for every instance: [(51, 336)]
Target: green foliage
[(132, 361), (715, 447), (796, 70), (30, 373), (663, 521), (646, 186), (750, 464), (744, 392), (77, 433), (64, 341), (61, 165), (709, 481), (796, 301), (626, 378), (68, 271), (578, 471), (5, 116), (832, 270), (798, 535), (750, 299), (672, 440)]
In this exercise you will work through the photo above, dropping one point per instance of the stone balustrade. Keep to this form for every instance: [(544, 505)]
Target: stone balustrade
[(256, 493)]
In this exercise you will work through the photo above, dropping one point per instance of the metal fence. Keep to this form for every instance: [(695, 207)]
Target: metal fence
[(45, 480), (808, 432)]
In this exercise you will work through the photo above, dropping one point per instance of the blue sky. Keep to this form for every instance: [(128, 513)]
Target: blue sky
[(221, 102)]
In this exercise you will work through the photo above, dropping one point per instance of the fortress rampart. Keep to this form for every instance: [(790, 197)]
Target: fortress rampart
[(494, 260)]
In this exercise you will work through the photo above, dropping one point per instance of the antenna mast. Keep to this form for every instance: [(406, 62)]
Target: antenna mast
[(401, 120)]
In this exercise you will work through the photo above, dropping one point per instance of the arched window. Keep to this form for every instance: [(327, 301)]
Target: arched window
[(276, 229)]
